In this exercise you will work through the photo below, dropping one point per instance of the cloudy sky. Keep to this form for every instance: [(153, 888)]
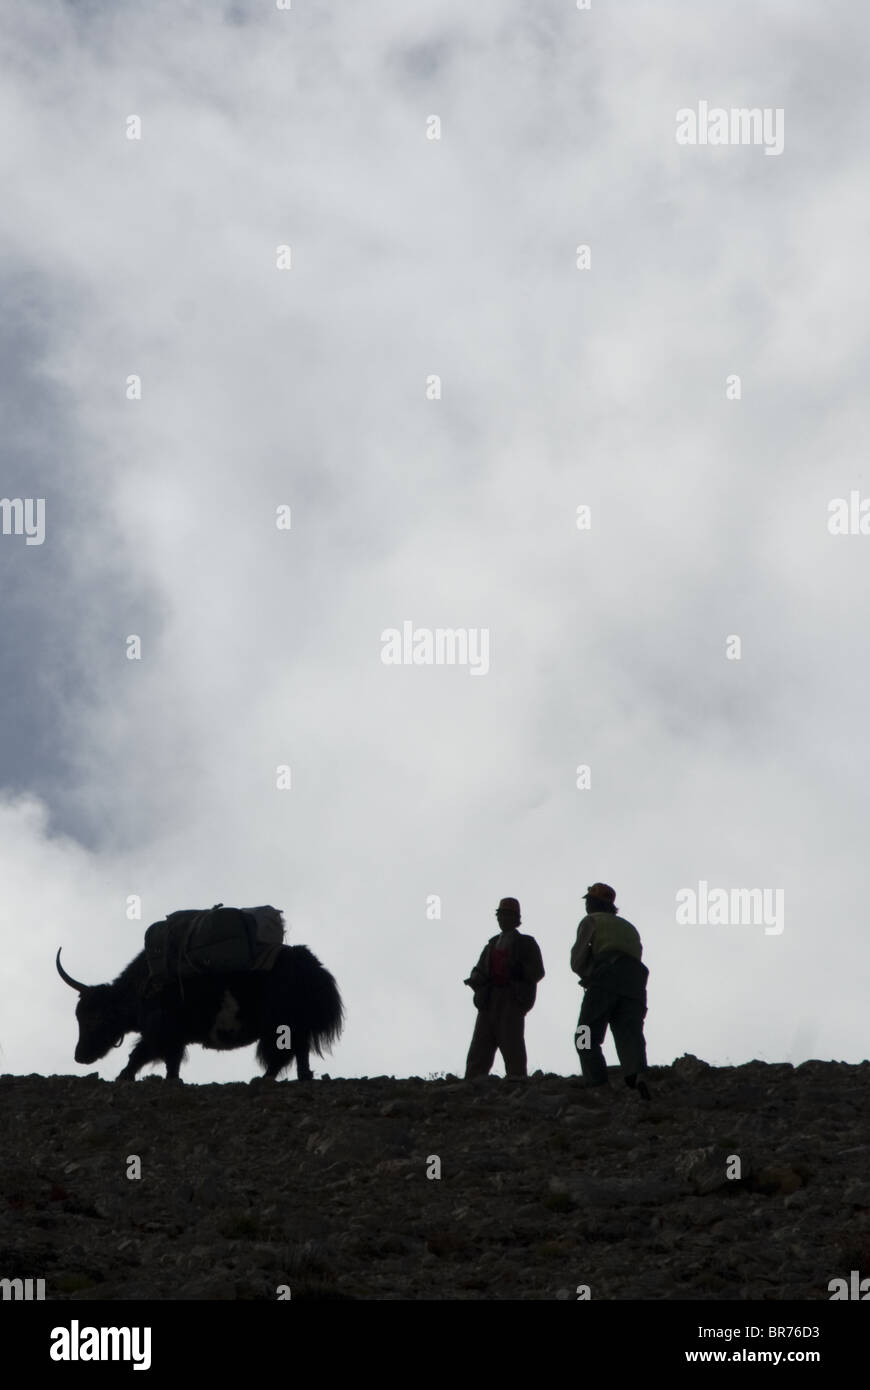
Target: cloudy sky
[(699, 384)]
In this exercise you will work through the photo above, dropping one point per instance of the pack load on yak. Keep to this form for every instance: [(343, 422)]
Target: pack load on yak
[(209, 941), (227, 982)]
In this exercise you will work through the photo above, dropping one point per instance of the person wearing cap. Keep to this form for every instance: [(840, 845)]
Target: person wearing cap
[(505, 983), (607, 957)]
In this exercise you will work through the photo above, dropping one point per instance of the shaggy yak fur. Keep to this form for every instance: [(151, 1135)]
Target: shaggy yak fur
[(216, 1011)]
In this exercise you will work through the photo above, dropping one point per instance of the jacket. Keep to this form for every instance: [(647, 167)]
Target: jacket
[(523, 952), (603, 933)]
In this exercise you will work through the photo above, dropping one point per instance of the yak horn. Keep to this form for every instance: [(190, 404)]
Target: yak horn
[(67, 979)]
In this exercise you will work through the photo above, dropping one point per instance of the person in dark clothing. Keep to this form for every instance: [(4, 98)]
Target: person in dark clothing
[(505, 983), (607, 957)]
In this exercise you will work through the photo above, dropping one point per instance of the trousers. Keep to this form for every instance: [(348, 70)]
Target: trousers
[(616, 998), (500, 1024)]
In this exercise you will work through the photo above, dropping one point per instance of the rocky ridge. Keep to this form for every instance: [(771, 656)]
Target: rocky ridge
[(323, 1188)]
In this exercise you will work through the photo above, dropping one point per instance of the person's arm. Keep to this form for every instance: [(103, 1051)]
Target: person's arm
[(534, 965), (480, 973), (581, 951)]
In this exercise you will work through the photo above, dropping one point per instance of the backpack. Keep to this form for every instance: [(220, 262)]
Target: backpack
[(213, 941)]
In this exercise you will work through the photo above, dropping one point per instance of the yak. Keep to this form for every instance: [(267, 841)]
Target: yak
[(217, 1011)]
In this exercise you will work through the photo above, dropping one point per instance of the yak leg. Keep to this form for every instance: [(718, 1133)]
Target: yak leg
[(275, 1058), (142, 1053), (174, 1056), (301, 1043), (172, 1053)]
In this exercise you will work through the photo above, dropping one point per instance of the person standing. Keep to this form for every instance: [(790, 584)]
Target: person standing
[(505, 982), (607, 957)]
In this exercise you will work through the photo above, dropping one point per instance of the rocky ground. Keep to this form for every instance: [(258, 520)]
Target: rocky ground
[(323, 1187)]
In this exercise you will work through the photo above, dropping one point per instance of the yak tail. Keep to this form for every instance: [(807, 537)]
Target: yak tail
[(311, 991)]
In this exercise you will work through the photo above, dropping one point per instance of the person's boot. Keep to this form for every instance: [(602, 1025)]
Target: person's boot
[(638, 1084)]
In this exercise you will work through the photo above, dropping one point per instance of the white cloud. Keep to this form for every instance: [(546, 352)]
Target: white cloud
[(306, 387)]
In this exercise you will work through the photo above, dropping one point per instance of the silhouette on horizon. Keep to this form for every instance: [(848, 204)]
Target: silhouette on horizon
[(505, 983), (607, 957)]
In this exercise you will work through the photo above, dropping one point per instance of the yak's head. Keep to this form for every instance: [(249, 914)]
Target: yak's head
[(101, 1022)]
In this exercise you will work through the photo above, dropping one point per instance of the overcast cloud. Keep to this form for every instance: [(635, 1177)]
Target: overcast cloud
[(560, 387)]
